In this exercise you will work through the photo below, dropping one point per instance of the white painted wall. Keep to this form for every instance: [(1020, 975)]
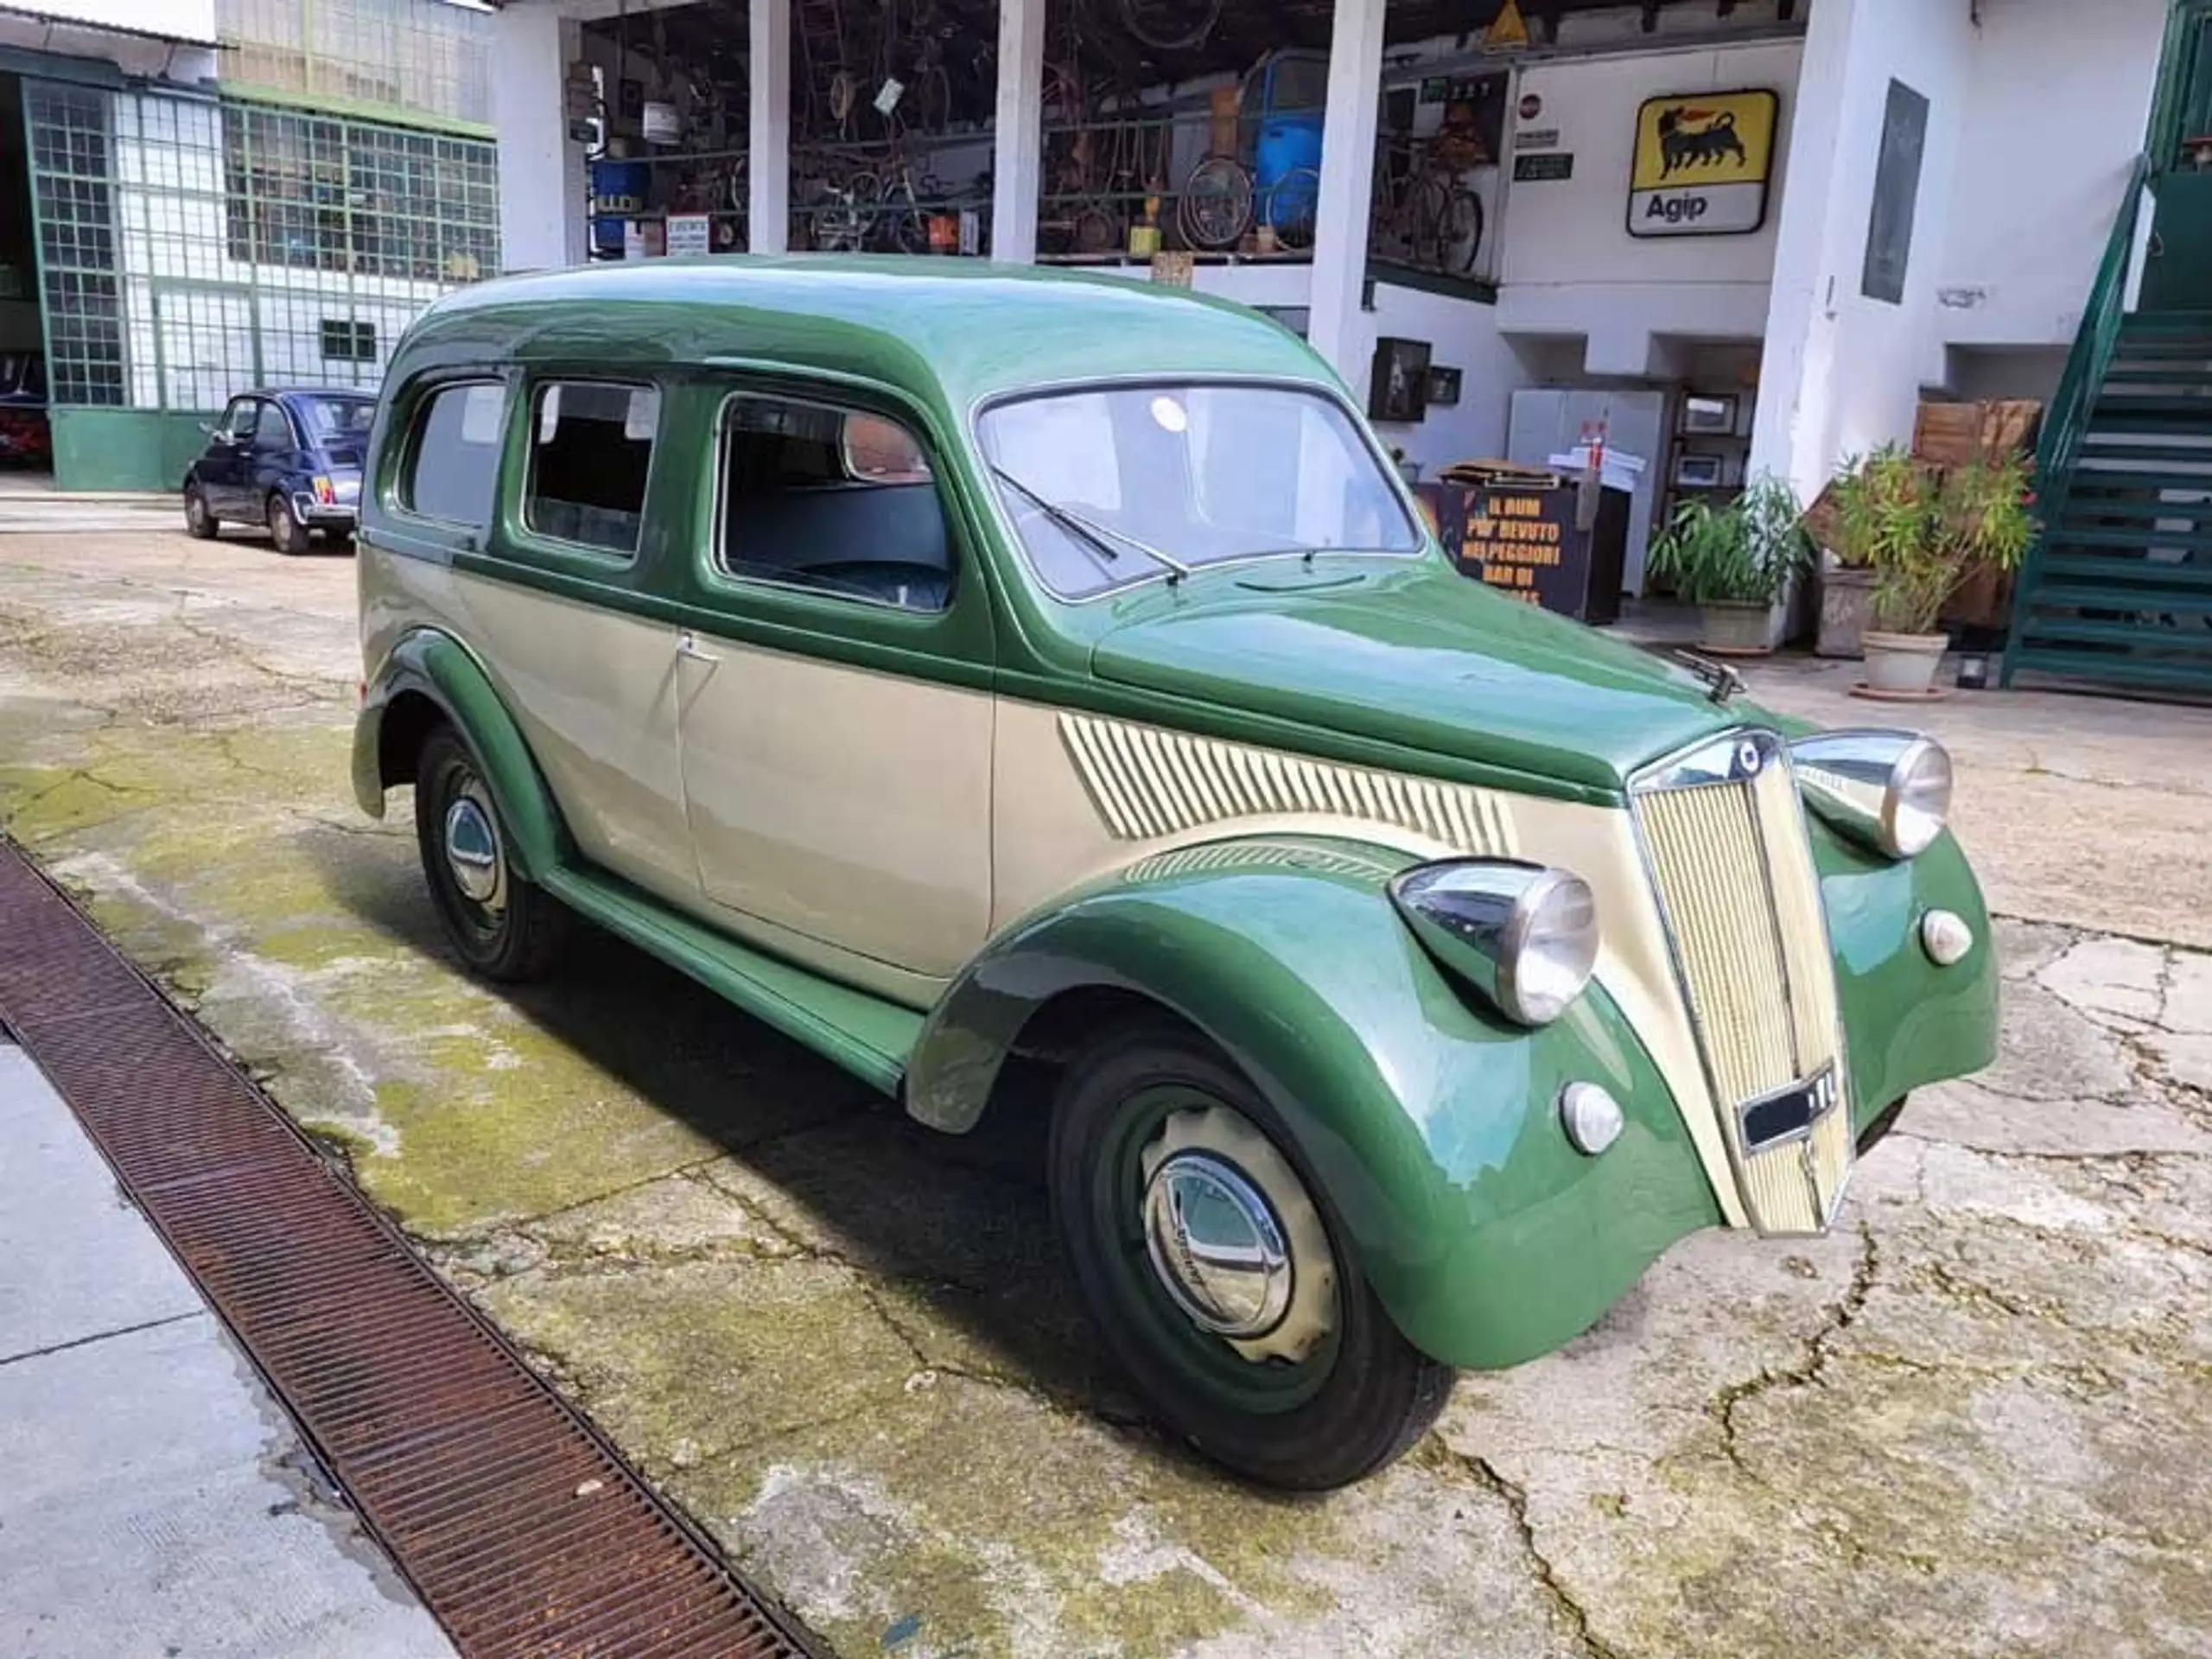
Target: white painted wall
[(1843, 372), (2057, 103), (1571, 267), (542, 191)]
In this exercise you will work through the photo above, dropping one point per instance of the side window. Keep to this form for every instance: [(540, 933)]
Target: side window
[(452, 454), (834, 500), (240, 420), (591, 449), (272, 435)]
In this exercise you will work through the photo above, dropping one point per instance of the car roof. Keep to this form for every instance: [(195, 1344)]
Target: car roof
[(964, 329)]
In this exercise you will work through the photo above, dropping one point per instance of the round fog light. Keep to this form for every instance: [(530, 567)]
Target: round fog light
[(1945, 936), (1590, 1118)]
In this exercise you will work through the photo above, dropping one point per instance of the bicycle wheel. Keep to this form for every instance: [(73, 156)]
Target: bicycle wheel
[(1215, 209), (1427, 203), (1293, 203), (1460, 232), (1170, 25)]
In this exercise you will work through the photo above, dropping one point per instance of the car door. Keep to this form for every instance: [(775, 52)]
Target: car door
[(275, 458), (834, 709), (222, 467)]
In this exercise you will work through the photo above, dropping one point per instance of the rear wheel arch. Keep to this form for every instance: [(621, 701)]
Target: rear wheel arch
[(408, 719)]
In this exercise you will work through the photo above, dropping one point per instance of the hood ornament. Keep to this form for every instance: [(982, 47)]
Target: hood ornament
[(1721, 681)]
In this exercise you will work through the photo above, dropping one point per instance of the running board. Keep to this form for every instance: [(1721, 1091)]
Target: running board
[(866, 1035)]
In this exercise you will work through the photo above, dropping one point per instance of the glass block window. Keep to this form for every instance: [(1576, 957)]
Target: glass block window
[(191, 248), (316, 193), (426, 56), (72, 196)]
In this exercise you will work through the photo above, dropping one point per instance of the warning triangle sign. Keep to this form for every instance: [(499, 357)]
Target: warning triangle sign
[(1509, 29)]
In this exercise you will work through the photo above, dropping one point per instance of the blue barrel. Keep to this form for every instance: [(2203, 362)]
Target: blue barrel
[(618, 193)]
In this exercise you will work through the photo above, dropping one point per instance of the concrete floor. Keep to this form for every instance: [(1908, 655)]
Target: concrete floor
[(1972, 1420), (157, 1501)]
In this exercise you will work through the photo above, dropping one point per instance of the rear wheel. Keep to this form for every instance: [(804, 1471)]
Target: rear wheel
[(504, 926), (1219, 1274), (285, 528), (198, 519)]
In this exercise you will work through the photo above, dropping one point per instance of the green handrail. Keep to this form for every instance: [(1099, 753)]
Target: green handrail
[(2066, 422)]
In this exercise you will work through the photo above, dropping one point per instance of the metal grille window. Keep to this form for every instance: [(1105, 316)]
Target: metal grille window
[(191, 248), (318, 193), (423, 55), (73, 201)]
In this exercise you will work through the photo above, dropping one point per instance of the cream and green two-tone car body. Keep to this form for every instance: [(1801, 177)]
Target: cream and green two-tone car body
[(950, 664)]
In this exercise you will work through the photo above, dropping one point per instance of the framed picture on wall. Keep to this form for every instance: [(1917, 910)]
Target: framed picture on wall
[(1443, 387), (1696, 472), (1399, 388), (1708, 414)]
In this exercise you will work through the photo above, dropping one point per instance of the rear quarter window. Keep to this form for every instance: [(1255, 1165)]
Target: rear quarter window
[(452, 454)]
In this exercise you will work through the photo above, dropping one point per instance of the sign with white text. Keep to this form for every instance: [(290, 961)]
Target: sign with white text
[(1704, 162)]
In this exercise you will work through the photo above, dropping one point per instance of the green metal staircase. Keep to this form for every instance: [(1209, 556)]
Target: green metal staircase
[(2116, 589), (2119, 590)]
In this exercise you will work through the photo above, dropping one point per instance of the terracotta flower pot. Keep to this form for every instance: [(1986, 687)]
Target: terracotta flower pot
[(1903, 662)]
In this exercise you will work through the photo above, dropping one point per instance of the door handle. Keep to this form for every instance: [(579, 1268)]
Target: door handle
[(687, 645)]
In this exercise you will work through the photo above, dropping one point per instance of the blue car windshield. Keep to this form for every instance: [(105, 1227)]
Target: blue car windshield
[(1112, 485), (337, 418)]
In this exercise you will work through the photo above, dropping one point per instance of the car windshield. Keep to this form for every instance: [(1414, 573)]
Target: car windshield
[(338, 417), (1111, 486)]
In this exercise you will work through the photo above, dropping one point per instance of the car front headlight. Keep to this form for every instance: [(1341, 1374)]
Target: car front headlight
[(1889, 790), (1522, 935)]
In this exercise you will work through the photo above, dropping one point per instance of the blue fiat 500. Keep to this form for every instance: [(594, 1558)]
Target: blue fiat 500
[(289, 461)]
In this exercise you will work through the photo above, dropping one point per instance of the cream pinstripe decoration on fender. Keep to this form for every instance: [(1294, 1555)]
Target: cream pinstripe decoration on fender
[(1148, 784)]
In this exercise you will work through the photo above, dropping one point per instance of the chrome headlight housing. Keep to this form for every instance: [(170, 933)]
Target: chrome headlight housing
[(1889, 790), (1522, 935)]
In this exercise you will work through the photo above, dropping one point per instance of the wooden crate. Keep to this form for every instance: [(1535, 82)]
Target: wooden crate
[(1955, 435)]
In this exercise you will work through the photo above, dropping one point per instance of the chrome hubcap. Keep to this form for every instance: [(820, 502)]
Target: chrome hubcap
[(1217, 1246), (473, 850), (1234, 1238)]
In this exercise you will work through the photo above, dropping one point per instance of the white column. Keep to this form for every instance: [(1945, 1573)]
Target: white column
[(768, 155), (1018, 151), (1335, 329), (542, 191)]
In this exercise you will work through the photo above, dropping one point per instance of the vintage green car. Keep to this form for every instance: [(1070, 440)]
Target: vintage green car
[(949, 664)]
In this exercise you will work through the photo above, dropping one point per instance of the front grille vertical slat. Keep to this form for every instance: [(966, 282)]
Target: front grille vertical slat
[(1724, 839)]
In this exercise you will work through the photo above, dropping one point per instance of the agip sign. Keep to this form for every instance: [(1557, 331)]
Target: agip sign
[(1703, 163)]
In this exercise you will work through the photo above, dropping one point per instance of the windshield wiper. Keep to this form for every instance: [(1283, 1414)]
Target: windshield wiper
[(1094, 536)]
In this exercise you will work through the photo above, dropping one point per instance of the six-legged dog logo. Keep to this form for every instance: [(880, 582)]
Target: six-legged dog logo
[(1682, 147)]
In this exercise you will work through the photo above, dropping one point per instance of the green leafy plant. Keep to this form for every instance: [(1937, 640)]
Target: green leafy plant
[(1926, 531), (1742, 554)]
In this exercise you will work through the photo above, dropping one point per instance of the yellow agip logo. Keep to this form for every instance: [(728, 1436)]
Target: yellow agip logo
[(1703, 164)]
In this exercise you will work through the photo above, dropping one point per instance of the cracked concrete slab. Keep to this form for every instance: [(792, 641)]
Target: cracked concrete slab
[(1970, 1420)]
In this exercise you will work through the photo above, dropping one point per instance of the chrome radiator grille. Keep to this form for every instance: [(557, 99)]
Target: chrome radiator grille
[(1722, 831)]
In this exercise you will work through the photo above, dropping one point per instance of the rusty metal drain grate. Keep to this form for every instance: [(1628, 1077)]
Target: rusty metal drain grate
[(517, 1523)]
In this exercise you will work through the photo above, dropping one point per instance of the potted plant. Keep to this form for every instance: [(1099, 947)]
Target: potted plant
[(1924, 532), (1733, 563)]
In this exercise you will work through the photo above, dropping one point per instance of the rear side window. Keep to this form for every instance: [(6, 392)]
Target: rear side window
[(591, 448), (453, 459)]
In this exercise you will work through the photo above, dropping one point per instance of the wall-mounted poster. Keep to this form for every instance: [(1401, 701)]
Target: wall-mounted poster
[(1398, 389), (1704, 162)]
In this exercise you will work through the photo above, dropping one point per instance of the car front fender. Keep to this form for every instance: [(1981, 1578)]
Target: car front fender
[(1431, 1122), (435, 668), (1908, 1022)]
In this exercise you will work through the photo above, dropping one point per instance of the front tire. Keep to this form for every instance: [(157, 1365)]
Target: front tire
[(503, 926), (1291, 1375), (285, 528), (200, 520)]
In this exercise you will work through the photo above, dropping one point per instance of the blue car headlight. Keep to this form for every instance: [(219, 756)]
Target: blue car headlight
[(1524, 936)]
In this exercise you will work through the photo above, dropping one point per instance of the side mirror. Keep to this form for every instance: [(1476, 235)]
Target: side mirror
[(208, 429)]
